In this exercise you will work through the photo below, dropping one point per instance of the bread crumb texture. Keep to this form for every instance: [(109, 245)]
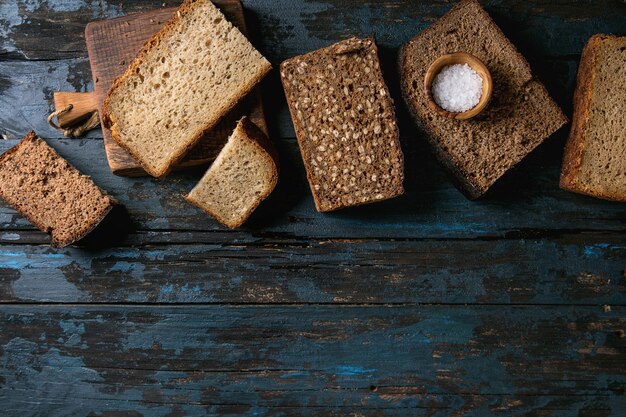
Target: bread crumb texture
[(241, 177), (519, 116), (600, 115), (185, 79), (345, 123), (51, 193)]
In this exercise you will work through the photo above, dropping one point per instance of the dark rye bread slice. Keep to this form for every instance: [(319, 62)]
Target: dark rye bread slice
[(519, 117), (243, 175), (51, 193), (184, 80), (345, 123), (594, 162)]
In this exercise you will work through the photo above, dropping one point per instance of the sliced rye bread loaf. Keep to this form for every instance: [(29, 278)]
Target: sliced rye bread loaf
[(345, 123), (51, 193), (594, 162), (243, 175), (185, 79), (519, 117)]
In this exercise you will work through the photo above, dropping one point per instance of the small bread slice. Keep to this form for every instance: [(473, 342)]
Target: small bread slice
[(594, 162), (184, 80), (243, 175), (51, 193)]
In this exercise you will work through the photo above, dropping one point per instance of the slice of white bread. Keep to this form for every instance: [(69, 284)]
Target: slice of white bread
[(184, 80), (242, 176), (594, 162)]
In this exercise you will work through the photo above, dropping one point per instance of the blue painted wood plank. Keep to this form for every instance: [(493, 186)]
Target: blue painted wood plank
[(310, 314), (287, 28), (558, 271), (423, 360)]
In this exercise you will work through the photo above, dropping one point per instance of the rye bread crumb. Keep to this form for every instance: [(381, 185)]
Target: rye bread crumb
[(51, 193), (594, 162), (345, 123), (519, 117)]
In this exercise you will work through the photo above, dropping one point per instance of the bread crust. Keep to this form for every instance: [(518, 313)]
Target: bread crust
[(261, 139), (575, 145), (107, 118), (32, 137), (471, 189), (302, 135), (572, 156), (262, 142)]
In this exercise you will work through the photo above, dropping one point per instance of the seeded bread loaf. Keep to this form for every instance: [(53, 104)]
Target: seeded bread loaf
[(345, 123), (519, 117), (243, 175), (594, 162), (50, 193), (185, 79)]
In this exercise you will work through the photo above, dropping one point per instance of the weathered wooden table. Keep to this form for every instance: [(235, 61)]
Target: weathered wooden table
[(425, 305)]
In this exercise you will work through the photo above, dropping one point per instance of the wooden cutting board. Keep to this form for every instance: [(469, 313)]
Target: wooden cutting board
[(113, 44)]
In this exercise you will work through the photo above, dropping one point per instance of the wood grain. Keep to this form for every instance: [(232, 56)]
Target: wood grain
[(303, 360), (427, 305), (208, 267), (112, 45)]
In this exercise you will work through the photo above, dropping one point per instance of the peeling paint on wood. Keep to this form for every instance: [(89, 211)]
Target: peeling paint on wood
[(421, 359), (426, 305), (558, 271)]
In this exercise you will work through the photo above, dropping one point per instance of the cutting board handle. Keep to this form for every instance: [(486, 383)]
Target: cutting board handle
[(76, 113)]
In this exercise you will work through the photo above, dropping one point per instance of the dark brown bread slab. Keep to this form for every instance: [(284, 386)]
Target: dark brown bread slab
[(583, 103), (113, 43), (51, 193), (345, 123), (519, 117)]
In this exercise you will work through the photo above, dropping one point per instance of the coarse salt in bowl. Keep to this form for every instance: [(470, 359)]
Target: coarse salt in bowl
[(457, 88), (463, 88)]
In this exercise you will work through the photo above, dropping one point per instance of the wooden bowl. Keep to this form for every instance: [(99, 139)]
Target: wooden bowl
[(458, 58)]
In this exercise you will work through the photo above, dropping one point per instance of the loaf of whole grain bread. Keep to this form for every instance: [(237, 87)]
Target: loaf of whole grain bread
[(345, 123), (519, 117), (51, 193), (185, 79), (594, 162)]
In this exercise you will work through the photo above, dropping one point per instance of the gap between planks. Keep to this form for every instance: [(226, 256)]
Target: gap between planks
[(283, 239), (179, 305)]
